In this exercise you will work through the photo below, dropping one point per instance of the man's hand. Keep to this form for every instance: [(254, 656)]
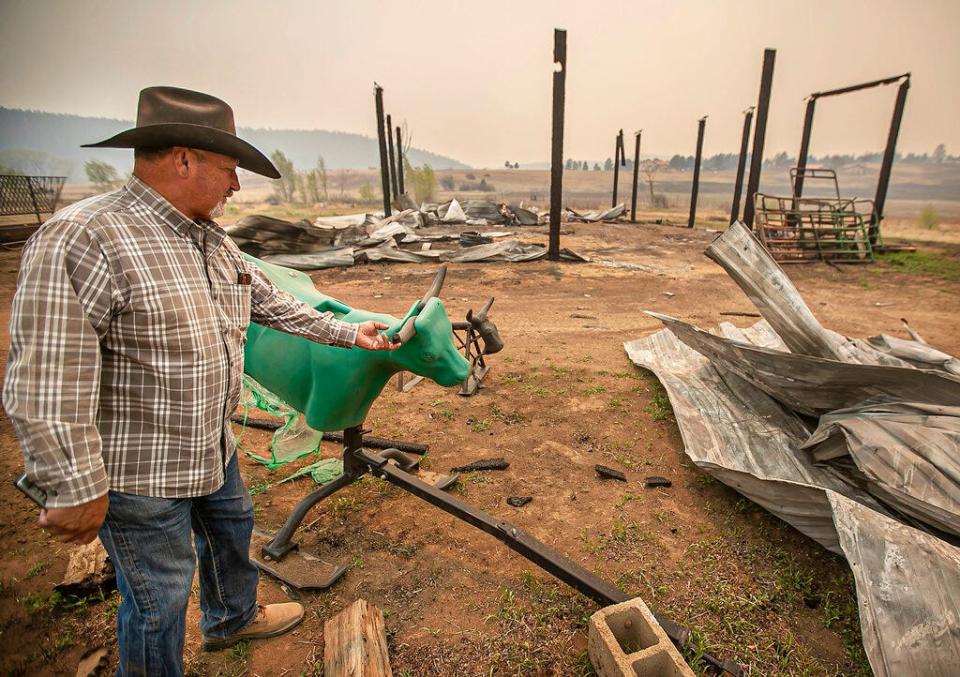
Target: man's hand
[(78, 524), (369, 338)]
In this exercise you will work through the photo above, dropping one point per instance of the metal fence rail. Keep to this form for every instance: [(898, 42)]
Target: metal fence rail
[(24, 195), (24, 200)]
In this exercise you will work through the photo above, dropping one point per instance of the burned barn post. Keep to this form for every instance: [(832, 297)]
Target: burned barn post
[(392, 157), (618, 158), (636, 171), (883, 182), (804, 145), (741, 164), (556, 160), (400, 162), (759, 133), (384, 169), (695, 188)]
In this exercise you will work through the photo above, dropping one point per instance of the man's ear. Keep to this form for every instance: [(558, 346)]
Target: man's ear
[(182, 159)]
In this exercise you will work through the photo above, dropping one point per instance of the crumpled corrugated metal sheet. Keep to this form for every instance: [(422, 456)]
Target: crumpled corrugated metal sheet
[(908, 592), (743, 437), (814, 385), (919, 355), (750, 265), (885, 452), (611, 214), (908, 454)]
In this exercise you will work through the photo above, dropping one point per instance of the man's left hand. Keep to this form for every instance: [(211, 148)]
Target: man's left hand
[(78, 524), (369, 337)]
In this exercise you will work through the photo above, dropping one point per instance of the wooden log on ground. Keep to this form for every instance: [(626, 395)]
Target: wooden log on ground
[(89, 571), (355, 643)]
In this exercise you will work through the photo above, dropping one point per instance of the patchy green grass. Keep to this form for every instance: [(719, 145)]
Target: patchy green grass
[(240, 650), (38, 569), (537, 619), (924, 262), (659, 407), (840, 614), (55, 601), (478, 425), (507, 418), (442, 411), (761, 596), (258, 485)]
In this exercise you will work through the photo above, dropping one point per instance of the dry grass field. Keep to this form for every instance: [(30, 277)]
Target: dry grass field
[(561, 397)]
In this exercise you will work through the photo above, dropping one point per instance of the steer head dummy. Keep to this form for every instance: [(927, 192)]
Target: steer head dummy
[(335, 387), (492, 343)]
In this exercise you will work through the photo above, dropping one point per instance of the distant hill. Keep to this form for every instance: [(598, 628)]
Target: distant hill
[(49, 143)]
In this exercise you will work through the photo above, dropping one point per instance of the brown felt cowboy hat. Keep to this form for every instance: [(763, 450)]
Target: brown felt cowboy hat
[(170, 116)]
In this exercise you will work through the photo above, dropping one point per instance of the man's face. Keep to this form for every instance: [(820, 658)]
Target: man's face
[(213, 181)]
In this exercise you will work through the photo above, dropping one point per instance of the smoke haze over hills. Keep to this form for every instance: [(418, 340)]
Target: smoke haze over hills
[(49, 143)]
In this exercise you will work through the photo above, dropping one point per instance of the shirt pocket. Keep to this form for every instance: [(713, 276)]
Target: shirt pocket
[(234, 302)]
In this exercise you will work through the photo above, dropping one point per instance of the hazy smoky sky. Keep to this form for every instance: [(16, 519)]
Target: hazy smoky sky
[(473, 79)]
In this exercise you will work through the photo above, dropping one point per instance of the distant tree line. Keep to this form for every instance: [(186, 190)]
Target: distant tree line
[(782, 160)]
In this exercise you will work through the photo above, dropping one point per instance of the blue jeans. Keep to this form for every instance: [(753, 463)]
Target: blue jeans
[(148, 540)]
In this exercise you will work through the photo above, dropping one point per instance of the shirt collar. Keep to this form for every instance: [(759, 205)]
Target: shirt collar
[(205, 233)]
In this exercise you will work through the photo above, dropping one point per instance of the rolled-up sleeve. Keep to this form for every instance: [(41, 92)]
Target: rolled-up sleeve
[(60, 311), (272, 307)]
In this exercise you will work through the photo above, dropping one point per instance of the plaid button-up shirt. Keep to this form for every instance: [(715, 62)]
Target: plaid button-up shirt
[(126, 347)]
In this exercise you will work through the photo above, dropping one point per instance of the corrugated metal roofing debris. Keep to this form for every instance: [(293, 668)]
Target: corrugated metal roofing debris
[(877, 479)]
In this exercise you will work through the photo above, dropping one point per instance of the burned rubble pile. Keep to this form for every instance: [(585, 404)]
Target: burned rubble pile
[(334, 241), (856, 443)]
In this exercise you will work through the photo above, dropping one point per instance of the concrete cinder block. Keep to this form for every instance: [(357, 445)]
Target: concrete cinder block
[(626, 641)]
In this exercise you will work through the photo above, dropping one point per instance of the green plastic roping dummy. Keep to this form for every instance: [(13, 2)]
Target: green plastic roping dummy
[(335, 387)]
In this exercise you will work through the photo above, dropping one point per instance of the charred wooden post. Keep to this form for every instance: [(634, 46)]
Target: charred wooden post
[(392, 156), (384, 169), (556, 162), (883, 182), (804, 146), (695, 188), (636, 172), (618, 158), (741, 164), (759, 133), (400, 162)]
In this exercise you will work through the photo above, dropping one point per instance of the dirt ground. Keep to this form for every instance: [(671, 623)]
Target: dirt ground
[(560, 398)]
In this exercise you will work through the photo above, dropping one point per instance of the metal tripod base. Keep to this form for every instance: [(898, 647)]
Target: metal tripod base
[(300, 570)]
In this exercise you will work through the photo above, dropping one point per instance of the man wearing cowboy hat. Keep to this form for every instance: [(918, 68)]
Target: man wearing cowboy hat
[(127, 332)]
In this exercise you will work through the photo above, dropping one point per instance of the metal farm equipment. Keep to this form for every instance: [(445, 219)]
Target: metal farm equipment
[(801, 229)]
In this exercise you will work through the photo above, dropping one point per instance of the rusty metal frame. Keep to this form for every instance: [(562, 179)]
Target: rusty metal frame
[(886, 166)]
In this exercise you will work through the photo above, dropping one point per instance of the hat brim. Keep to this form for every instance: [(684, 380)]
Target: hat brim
[(192, 136)]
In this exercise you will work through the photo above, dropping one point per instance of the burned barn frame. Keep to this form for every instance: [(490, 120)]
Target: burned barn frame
[(883, 181)]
